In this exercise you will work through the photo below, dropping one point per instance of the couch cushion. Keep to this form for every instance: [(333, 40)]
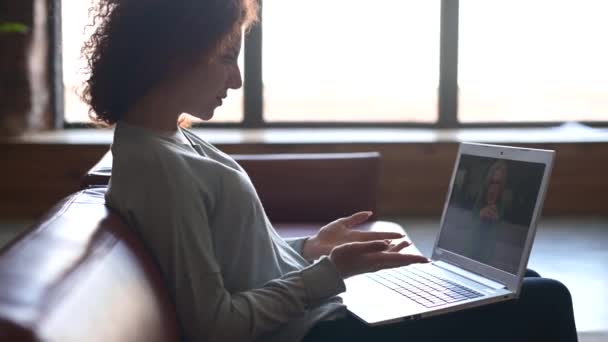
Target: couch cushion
[(81, 275)]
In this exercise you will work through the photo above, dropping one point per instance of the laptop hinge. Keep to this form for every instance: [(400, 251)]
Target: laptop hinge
[(469, 275)]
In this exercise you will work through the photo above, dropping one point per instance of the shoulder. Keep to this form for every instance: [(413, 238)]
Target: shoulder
[(169, 167), (160, 155)]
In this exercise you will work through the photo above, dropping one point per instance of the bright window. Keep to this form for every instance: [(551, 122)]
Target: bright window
[(378, 62), (344, 60), (540, 60)]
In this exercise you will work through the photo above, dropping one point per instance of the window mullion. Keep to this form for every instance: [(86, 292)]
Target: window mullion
[(253, 85), (448, 65), (55, 64)]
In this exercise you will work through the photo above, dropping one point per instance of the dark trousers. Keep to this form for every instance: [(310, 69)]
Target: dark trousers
[(543, 312)]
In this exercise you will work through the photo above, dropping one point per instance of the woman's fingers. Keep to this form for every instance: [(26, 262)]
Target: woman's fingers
[(358, 235), (348, 257), (369, 256), (398, 258), (364, 247), (356, 218), (370, 236), (380, 261), (401, 245)]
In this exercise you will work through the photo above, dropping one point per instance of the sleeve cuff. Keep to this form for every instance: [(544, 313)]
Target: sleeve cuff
[(297, 244), (322, 280)]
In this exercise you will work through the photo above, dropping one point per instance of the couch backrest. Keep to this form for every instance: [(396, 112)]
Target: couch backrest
[(301, 187), (81, 275)]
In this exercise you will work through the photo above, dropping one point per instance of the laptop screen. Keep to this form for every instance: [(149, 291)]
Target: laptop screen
[(490, 210)]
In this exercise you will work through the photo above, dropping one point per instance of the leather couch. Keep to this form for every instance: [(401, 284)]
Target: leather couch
[(80, 274)]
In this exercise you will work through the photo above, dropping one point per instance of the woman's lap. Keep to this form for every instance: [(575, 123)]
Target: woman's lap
[(543, 312)]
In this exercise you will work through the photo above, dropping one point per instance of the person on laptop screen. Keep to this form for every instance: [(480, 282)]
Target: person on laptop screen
[(489, 205), (230, 275), (489, 211)]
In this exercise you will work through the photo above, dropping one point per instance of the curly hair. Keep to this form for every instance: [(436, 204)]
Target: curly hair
[(136, 42)]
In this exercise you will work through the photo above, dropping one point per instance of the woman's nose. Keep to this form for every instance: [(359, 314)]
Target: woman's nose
[(235, 80)]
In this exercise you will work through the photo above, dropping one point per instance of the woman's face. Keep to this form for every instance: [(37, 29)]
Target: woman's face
[(204, 87), (496, 186)]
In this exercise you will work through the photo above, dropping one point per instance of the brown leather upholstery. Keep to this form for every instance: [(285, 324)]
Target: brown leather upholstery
[(81, 275), (301, 187)]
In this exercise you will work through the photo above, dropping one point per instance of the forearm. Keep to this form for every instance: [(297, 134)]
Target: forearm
[(244, 316)]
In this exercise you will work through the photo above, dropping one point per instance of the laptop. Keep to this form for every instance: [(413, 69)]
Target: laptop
[(481, 252)]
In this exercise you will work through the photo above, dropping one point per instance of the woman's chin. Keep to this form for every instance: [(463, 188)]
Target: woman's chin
[(206, 115), (203, 116)]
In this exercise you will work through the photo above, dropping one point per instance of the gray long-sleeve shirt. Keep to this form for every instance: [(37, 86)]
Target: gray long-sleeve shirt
[(231, 276)]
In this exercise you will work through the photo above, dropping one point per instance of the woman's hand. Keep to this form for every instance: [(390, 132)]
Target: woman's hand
[(489, 213), (361, 257), (340, 232)]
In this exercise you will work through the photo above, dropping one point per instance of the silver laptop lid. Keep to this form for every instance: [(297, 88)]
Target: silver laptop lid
[(493, 204)]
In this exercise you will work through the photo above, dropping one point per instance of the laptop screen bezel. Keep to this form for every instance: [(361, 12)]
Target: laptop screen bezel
[(511, 281)]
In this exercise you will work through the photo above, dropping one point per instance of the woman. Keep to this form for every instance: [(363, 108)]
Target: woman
[(488, 212), (231, 276), (489, 204)]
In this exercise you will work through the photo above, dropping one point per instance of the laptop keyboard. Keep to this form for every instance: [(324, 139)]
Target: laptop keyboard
[(423, 288)]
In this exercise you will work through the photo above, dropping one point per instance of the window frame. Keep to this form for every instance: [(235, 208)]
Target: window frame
[(253, 98), (55, 62)]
